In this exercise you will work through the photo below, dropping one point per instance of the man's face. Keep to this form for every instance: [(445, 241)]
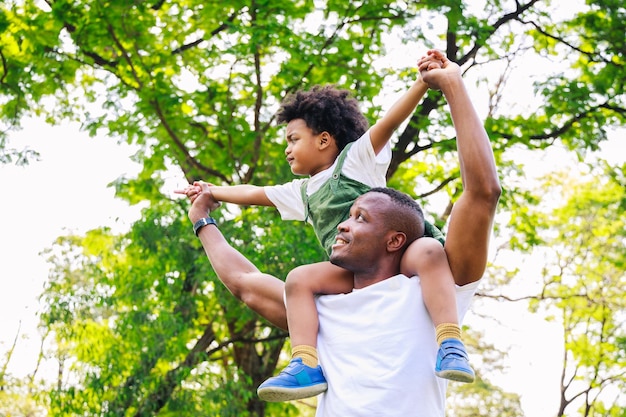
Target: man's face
[(362, 239)]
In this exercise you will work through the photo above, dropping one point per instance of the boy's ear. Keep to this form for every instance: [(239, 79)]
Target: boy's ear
[(325, 140)]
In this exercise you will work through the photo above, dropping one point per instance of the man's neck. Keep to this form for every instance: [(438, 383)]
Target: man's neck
[(362, 280)]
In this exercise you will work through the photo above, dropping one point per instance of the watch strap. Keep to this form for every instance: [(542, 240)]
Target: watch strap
[(203, 222)]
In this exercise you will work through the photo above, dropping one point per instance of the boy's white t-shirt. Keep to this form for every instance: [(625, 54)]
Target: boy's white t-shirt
[(378, 349), (361, 164)]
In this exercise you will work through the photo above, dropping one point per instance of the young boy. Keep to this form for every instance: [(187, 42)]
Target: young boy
[(328, 140)]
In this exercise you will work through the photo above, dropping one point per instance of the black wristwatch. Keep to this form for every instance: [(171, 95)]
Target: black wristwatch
[(203, 222)]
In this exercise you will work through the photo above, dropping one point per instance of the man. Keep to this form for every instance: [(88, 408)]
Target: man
[(374, 343)]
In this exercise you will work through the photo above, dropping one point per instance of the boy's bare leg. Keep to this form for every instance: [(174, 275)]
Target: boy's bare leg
[(303, 377), (427, 259), (302, 285)]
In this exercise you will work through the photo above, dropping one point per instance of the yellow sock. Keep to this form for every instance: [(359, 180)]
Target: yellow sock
[(307, 353), (447, 331)]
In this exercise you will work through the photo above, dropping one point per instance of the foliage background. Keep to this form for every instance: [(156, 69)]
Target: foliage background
[(136, 320)]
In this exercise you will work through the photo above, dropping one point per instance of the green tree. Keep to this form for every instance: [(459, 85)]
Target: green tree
[(583, 287), (148, 329), (17, 396), (578, 230), (139, 319)]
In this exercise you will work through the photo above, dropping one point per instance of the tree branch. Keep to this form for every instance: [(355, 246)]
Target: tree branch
[(126, 57), (556, 133), (214, 32), (520, 8), (190, 160), (5, 71), (439, 187), (163, 392), (592, 56)]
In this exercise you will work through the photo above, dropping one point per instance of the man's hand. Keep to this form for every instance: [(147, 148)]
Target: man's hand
[(438, 71), (202, 200)]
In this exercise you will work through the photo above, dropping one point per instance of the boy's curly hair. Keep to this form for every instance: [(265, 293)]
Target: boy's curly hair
[(326, 109)]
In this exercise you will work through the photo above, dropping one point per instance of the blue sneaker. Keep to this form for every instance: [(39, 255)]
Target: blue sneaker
[(295, 382), (453, 362)]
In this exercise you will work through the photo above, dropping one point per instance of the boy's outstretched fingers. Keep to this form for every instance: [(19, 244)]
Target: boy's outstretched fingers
[(188, 190)]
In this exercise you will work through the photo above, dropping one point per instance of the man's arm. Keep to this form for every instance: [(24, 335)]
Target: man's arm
[(261, 292), (471, 219)]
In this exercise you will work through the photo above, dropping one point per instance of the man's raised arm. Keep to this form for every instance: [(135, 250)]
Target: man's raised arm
[(471, 220)]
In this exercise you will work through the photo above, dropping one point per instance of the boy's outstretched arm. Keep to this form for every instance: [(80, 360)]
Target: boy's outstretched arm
[(471, 220), (261, 292), (382, 130), (243, 194)]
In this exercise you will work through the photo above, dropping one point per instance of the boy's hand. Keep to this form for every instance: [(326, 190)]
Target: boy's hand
[(202, 201), (433, 60), (189, 190), (438, 71), (427, 63)]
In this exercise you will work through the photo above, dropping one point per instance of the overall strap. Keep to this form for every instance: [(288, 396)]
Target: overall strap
[(305, 199), (334, 180)]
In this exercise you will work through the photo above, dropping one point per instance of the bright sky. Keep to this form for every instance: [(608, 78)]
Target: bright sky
[(66, 191)]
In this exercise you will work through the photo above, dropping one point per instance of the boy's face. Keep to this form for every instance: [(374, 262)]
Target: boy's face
[(307, 153)]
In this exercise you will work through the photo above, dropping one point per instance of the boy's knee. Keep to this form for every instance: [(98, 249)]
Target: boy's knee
[(296, 279), (421, 251)]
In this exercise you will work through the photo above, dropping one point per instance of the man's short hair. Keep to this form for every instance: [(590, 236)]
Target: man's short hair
[(407, 215)]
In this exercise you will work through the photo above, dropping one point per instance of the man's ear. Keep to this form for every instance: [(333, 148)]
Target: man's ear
[(396, 241)]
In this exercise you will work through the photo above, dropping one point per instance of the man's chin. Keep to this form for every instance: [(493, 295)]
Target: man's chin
[(336, 258)]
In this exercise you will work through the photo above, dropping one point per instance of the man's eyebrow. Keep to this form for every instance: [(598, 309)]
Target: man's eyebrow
[(361, 209)]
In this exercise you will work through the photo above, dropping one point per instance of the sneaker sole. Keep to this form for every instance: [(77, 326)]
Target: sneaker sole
[(454, 375), (279, 394)]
